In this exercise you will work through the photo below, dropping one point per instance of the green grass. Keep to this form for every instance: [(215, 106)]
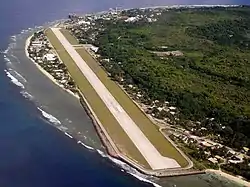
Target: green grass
[(210, 80), (117, 134), (147, 127), (72, 40)]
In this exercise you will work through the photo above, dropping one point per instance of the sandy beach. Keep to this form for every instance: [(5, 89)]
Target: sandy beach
[(230, 177), (45, 72)]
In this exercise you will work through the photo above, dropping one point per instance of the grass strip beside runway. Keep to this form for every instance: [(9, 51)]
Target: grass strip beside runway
[(117, 134), (72, 40), (147, 127)]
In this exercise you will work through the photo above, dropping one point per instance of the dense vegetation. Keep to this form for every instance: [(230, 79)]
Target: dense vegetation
[(210, 79), (238, 169)]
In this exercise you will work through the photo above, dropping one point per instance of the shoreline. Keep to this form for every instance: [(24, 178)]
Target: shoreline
[(233, 178), (162, 172), (108, 143), (114, 152), (109, 146), (44, 71)]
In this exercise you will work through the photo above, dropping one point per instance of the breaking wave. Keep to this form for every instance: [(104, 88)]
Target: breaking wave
[(17, 60), (128, 169), (24, 31), (49, 117), (20, 76), (67, 134), (27, 95), (17, 75), (62, 128), (7, 60), (86, 146), (13, 38), (6, 50), (102, 153), (124, 166), (145, 180), (14, 80)]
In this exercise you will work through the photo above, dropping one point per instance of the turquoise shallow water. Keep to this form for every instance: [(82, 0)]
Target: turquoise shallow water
[(33, 151)]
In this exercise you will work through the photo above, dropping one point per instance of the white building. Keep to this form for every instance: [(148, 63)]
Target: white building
[(49, 57), (172, 108), (131, 19), (173, 113), (94, 49), (36, 43), (82, 22), (213, 160)]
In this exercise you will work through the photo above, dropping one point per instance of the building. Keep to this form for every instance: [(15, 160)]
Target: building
[(206, 144), (213, 160), (131, 19), (36, 44), (219, 158), (236, 159), (82, 22), (49, 57), (94, 49)]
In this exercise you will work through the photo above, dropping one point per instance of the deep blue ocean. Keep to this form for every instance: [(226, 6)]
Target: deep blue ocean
[(33, 153)]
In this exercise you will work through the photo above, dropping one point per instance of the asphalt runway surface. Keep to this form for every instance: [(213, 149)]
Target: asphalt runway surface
[(150, 153)]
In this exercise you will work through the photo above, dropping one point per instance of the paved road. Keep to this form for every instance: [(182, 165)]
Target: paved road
[(150, 153)]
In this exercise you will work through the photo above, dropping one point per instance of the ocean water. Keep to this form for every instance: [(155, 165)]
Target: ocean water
[(46, 138)]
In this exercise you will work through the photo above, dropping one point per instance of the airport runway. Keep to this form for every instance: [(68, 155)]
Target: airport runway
[(150, 153)]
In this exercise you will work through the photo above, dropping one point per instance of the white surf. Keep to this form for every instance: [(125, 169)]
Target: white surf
[(49, 117), (14, 80)]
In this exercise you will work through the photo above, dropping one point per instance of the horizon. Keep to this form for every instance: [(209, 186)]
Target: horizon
[(125, 5), (167, 6)]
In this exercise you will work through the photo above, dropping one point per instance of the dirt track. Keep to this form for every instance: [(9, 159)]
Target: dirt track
[(150, 153)]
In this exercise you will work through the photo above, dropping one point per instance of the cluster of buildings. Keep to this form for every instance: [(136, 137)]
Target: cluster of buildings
[(86, 29), (212, 152), (42, 53), (162, 111), (136, 18), (131, 15)]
